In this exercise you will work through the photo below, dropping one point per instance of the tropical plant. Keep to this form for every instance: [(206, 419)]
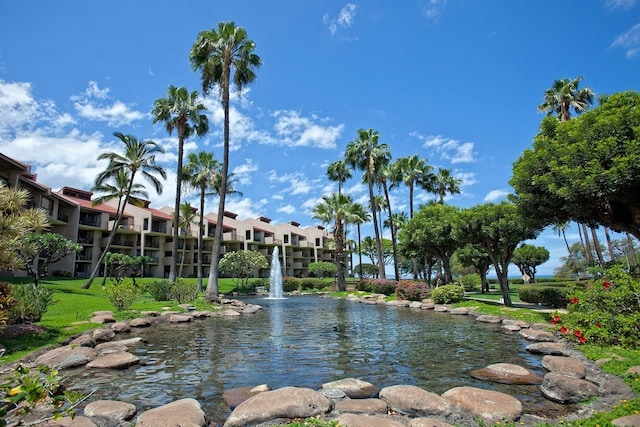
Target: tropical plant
[(528, 257), (563, 96), (118, 190), (31, 303), (447, 294), (339, 171), (444, 182), (415, 173), (122, 295), (323, 269), (139, 157), (187, 216), (240, 265), (473, 255), (358, 215), (180, 110), (223, 55), (39, 250)]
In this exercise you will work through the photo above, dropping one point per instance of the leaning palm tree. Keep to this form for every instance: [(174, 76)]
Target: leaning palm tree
[(365, 153), (335, 208), (223, 55), (180, 110), (339, 171), (444, 182), (139, 157), (187, 215), (358, 215), (563, 96), (118, 190), (198, 173)]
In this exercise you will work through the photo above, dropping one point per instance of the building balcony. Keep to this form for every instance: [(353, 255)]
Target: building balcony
[(90, 222)]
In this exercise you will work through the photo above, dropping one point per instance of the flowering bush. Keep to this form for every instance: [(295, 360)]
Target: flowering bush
[(412, 290), (447, 294), (606, 311), (377, 286)]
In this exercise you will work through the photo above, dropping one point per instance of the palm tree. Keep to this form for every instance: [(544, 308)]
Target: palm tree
[(385, 175), (187, 215), (335, 207), (366, 153), (563, 96), (139, 156), (118, 189), (199, 173), (414, 172), (182, 111), (223, 55), (444, 182), (358, 215), (339, 171)]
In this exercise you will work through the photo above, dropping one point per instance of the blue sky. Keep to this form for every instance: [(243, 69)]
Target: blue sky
[(455, 81)]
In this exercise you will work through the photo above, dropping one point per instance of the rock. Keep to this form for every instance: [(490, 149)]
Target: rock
[(506, 373), (428, 305), (236, 396), (187, 307), (415, 304), (67, 357), (120, 327), (354, 420), (200, 314), (102, 313), (537, 335), (111, 409), (564, 365), (428, 422), (169, 313), (354, 388), (287, 402), (250, 309), (414, 401), (121, 360), (519, 323), (460, 311), (130, 341), (489, 405), (140, 322), (566, 389), (183, 412), (230, 312), (69, 422), (511, 328), (440, 308), (110, 347), (628, 421), (150, 313), (633, 370), (103, 334), (103, 319), (180, 318), (398, 303), (361, 406), (487, 318), (556, 348), (84, 340)]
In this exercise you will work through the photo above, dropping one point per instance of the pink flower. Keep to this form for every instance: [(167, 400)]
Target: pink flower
[(564, 330), (606, 284)]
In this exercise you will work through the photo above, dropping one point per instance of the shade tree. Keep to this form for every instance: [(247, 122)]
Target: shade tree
[(527, 258)]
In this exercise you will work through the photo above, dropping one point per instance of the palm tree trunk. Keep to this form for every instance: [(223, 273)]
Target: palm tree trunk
[(200, 238), (176, 212), (596, 245), (612, 255), (360, 252), (632, 251), (394, 244), (381, 272), (184, 249), (587, 246)]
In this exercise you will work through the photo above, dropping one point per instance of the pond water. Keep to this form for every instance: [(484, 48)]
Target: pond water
[(306, 341)]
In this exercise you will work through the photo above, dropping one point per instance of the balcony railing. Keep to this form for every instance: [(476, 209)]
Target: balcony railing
[(85, 240), (90, 221), (62, 217), (159, 228)]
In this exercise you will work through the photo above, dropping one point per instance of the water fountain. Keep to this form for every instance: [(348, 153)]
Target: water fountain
[(275, 276)]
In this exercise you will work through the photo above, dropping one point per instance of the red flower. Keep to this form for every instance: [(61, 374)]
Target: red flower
[(554, 321), (574, 300), (606, 284), (564, 330), (598, 325), (583, 339), (577, 333)]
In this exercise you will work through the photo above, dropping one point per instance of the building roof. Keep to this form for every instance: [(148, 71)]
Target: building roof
[(158, 213), (87, 204)]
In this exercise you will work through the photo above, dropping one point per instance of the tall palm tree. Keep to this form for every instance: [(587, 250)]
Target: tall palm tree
[(388, 175), (118, 190), (335, 207), (444, 182), (365, 153), (139, 157), (339, 171), (180, 110), (187, 215), (199, 173), (358, 215), (563, 96), (414, 172), (222, 56)]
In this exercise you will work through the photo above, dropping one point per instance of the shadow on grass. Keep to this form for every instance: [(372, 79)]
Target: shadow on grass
[(29, 342)]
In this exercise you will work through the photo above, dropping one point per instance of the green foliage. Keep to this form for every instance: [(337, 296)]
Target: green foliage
[(527, 257), (26, 388), (470, 282), (6, 302), (184, 291), (447, 294), (313, 422), (548, 296), (412, 290), (368, 270), (309, 283), (240, 265), (160, 290), (122, 295), (31, 303), (41, 249), (376, 286), (323, 269), (290, 284), (606, 311)]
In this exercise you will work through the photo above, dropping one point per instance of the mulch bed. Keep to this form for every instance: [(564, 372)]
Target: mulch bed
[(14, 331)]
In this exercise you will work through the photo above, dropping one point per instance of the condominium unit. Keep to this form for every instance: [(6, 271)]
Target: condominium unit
[(147, 231)]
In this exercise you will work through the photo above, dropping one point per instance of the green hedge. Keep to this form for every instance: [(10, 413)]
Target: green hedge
[(546, 295), (447, 294)]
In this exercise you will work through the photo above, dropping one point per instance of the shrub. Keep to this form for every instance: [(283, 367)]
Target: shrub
[(122, 295), (184, 291), (62, 273), (6, 302), (447, 294), (546, 295), (160, 290), (31, 303), (386, 287), (412, 290), (470, 282), (290, 284), (363, 286), (606, 311), (309, 283)]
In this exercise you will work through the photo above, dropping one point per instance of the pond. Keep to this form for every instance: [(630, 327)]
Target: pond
[(306, 341)]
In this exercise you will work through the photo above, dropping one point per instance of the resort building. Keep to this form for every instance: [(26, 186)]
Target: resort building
[(148, 231)]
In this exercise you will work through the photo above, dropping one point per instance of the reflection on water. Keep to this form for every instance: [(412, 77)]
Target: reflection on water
[(306, 341)]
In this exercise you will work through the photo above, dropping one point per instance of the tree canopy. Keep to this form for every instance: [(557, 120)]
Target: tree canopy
[(528, 257)]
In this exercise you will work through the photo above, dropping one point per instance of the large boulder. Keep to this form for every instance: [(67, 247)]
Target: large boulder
[(111, 409), (487, 318), (428, 422), (353, 387), (564, 365), (507, 373), (537, 335), (354, 420), (415, 401), (183, 412), (286, 402), (567, 389), (236, 396), (140, 322), (66, 357), (361, 406), (489, 405), (120, 360), (554, 348), (628, 421), (103, 334)]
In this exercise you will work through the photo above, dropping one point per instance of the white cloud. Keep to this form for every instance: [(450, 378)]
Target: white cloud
[(91, 105), (433, 9), (288, 209), (293, 130), (245, 207), (629, 41), (243, 172), (495, 195), (343, 20), (620, 4), (19, 109), (448, 148)]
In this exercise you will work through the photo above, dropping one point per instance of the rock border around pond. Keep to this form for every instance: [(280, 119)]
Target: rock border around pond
[(352, 402)]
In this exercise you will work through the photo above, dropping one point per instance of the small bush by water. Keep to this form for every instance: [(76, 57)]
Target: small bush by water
[(545, 295), (447, 294)]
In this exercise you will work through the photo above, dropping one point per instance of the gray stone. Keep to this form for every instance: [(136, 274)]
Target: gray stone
[(102, 313), (184, 412), (633, 370), (355, 420), (111, 409), (460, 311), (110, 347), (520, 323), (415, 304), (140, 322), (180, 318), (487, 318), (84, 340), (628, 421), (428, 422), (103, 318), (555, 348), (121, 360), (287, 402), (236, 396), (361, 406), (564, 365), (566, 389), (440, 308), (200, 314), (398, 303), (150, 313), (120, 327), (414, 401), (69, 422), (103, 334), (507, 373), (510, 328), (537, 335), (428, 305), (489, 405), (354, 388), (66, 357), (230, 312)]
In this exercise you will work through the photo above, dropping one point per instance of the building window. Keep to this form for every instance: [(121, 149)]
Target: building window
[(247, 235), (286, 238), (317, 242), (145, 224)]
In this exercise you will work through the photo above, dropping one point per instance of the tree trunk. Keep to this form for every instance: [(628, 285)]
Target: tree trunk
[(184, 249), (612, 255), (200, 238), (340, 256), (632, 251), (176, 212), (596, 244), (381, 272), (394, 244), (587, 246), (360, 252)]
